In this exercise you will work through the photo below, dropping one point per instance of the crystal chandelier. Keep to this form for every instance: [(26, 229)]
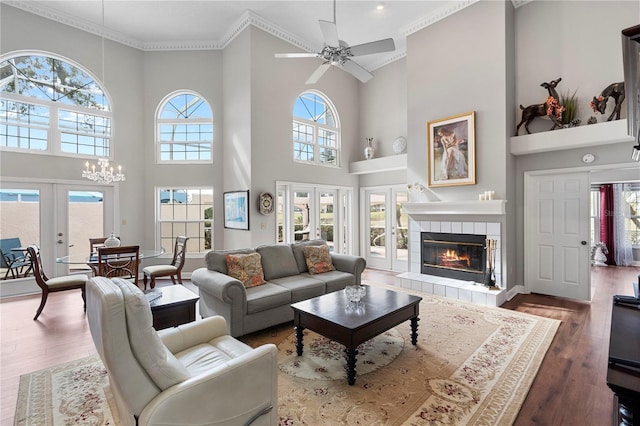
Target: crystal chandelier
[(105, 175)]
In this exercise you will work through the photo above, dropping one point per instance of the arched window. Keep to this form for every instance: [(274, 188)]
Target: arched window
[(49, 104), (184, 129), (316, 130)]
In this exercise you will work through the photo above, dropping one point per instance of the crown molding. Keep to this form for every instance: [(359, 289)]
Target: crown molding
[(449, 9), (248, 18), (518, 3)]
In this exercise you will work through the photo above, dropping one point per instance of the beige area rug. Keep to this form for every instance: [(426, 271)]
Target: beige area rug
[(472, 365), (73, 393)]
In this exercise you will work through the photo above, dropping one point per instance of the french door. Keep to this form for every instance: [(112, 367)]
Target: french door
[(385, 227), (309, 212), (59, 218)]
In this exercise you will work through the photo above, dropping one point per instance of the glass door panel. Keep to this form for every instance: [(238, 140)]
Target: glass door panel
[(86, 220), (400, 261), (302, 218), (376, 229), (19, 218), (327, 218)]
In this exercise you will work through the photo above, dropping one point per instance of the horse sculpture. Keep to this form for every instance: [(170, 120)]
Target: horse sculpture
[(615, 91)]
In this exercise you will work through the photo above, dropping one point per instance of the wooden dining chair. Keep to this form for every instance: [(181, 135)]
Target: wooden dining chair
[(52, 285), (173, 270), (95, 243), (120, 262)]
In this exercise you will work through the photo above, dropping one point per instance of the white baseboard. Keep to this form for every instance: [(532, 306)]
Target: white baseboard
[(515, 290)]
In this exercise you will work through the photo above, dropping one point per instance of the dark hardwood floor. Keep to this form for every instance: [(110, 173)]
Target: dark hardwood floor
[(570, 388)]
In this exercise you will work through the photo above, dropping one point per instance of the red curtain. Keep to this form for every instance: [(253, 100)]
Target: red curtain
[(606, 220)]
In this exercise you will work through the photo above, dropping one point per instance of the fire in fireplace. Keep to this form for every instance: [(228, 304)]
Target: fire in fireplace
[(459, 256)]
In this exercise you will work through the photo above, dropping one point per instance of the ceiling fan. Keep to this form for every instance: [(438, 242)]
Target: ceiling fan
[(338, 53)]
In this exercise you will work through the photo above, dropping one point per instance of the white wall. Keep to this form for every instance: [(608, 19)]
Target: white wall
[(579, 41), (275, 85)]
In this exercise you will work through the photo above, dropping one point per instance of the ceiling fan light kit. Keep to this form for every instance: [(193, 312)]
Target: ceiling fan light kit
[(338, 53)]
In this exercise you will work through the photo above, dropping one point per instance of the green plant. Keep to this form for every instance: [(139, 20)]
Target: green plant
[(570, 104)]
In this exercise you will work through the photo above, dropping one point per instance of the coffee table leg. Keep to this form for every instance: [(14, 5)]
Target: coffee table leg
[(299, 334), (414, 330), (351, 365)]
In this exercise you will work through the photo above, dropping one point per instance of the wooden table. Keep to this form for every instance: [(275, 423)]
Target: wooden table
[(622, 376), (176, 306), (334, 317)]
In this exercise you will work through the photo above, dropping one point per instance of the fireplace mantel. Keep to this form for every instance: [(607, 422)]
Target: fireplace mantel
[(488, 207)]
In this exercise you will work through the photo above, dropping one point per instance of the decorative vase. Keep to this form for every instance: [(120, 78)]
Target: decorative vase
[(368, 151), (112, 241), (355, 292)]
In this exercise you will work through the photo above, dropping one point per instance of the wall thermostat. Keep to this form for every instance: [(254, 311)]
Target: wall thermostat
[(588, 158)]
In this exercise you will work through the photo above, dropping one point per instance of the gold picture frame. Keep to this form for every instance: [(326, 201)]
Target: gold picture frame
[(451, 150)]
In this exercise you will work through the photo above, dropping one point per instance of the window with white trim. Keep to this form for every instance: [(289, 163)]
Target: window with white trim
[(184, 126), (49, 104), (316, 130), (185, 212)]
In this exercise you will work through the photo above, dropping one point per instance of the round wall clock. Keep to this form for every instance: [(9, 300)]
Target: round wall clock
[(265, 203)]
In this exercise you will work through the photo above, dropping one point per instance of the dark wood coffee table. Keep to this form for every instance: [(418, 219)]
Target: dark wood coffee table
[(176, 306), (380, 310)]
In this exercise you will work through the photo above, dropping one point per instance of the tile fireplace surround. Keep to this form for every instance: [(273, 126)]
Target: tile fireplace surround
[(448, 287)]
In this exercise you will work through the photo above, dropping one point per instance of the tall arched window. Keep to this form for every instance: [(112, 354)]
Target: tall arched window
[(316, 130), (49, 104), (184, 129)]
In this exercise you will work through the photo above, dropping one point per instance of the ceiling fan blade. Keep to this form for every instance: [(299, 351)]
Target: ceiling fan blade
[(295, 55), (319, 72), (330, 33), (386, 45), (357, 71)]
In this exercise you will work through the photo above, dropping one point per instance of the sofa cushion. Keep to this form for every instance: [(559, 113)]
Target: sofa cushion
[(246, 268), (334, 280), (267, 296), (159, 363), (301, 287), (298, 252), (216, 260), (277, 261), (318, 259)]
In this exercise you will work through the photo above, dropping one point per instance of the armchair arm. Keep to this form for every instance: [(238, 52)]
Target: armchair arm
[(353, 264), (232, 393), (184, 336)]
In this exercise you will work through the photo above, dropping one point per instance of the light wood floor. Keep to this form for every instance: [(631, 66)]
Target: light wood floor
[(570, 388)]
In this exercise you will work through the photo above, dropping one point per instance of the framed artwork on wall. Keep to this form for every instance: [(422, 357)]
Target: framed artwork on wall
[(236, 210), (451, 150)]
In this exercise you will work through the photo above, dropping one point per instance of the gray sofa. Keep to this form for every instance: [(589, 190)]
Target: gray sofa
[(288, 281)]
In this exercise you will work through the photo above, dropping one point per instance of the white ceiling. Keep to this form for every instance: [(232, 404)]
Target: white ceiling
[(211, 24)]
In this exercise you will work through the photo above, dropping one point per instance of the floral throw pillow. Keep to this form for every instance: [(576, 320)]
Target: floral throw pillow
[(246, 268), (318, 259)]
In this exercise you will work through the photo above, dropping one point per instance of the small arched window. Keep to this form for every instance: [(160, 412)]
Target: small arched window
[(316, 130), (49, 104), (184, 129)]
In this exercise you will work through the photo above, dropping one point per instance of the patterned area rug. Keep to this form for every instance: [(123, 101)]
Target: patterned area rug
[(73, 393), (473, 365), (324, 359)]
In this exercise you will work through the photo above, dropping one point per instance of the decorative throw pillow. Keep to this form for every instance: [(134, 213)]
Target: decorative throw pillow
[(246, 268), (318, 259)]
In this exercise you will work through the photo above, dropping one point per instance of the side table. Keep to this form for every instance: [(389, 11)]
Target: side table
[(176, 306), (623, 372)]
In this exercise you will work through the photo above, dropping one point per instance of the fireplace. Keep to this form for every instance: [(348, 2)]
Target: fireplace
[(459, 256)]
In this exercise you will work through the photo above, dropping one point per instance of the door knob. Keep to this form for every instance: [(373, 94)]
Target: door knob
[(584, 243)]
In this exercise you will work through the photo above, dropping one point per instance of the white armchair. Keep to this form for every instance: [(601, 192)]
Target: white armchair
[(194, 374)]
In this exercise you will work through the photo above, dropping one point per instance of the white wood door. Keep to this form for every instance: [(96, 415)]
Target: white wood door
[(557, 234)]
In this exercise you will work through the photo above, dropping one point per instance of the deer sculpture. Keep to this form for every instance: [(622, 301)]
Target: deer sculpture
[(615, 91), (550, 108)]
